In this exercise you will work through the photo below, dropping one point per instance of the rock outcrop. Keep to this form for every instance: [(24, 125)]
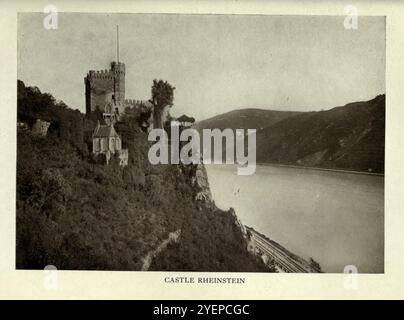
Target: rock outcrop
[(199, 181)]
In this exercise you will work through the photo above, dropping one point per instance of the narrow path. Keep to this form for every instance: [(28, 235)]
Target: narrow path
[(172, 237)]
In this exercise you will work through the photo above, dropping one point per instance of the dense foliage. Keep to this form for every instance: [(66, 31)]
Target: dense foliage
[(349, 137), (162, 96), (210, 241), (76, 214)]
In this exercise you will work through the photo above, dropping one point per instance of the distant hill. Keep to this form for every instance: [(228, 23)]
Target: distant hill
[(245, 119), (349, 137)]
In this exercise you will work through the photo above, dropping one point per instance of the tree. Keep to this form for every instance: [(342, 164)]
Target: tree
[(315, 265), (162, 97), (50, 192)]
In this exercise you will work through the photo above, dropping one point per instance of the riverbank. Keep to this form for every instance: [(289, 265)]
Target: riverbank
[(335, 217), (321, 169), (282, 258)]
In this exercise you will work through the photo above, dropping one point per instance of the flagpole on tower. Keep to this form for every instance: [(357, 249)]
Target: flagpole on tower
[(117, 43)]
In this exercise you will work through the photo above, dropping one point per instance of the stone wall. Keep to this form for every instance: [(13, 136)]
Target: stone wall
[(123, 157), (106, 86), (40, 127)]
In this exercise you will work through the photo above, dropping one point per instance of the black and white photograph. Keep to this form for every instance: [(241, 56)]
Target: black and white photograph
[(200, 142)]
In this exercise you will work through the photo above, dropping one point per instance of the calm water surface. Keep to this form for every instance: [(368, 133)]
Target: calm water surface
[(337, 218)]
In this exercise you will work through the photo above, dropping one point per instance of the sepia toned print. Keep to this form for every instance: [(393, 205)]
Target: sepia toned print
[(302, 98)]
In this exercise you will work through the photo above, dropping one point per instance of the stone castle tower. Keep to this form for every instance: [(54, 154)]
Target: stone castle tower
[(106, 88), (105, 91)]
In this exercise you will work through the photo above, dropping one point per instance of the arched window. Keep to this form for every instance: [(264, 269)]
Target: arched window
[(103, 144)]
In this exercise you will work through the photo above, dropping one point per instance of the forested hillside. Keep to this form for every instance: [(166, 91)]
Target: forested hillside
[(76, 214), (349, 137), (250, 118)]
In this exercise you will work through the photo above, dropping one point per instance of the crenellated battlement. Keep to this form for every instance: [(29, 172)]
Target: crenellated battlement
[(105, 86), (116, 70), (100, 74), (134, 102)]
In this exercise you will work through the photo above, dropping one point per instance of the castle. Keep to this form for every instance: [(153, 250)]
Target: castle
[(106, 141), (105, 91)]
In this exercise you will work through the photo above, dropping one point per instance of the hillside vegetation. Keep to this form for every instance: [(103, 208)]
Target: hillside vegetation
[(244, 119), (76, 214), (349, 137)]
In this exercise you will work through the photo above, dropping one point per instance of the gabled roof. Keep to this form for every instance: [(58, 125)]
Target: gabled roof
[(185, 118), (102, 131)]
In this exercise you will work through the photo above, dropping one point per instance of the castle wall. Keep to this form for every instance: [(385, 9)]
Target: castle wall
[(40, 127), (107, 144), (96, 145), (100, 89), (114, 144), (104, 144), (123, 157), (118, 70), (105, 86)]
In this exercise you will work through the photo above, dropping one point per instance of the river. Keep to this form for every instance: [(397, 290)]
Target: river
[(337, 218)]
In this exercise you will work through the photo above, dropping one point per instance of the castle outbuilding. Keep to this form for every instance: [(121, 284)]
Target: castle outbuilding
[(186, 121), (105, 92), (108, 142), (40, 127)]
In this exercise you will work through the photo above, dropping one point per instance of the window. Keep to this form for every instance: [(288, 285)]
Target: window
[(96, 145)]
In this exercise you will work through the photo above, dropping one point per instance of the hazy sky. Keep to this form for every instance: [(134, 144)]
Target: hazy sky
[(217, 63)]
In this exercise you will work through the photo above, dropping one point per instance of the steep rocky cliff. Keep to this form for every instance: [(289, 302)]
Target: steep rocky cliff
[(200, 183)]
